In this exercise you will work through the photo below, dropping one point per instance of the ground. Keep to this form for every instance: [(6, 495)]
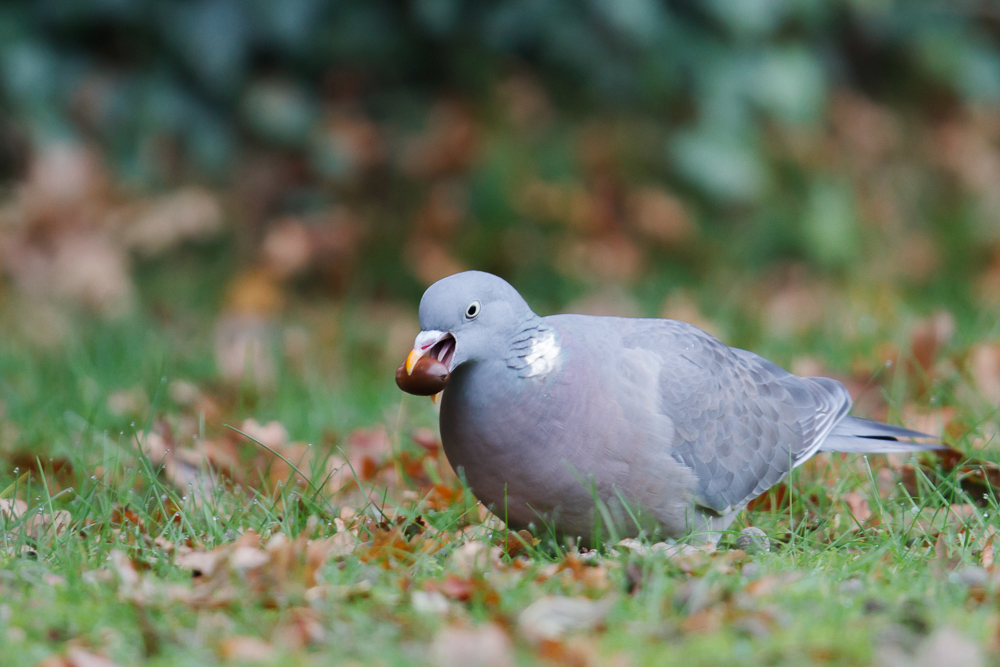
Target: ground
[(138, 527)]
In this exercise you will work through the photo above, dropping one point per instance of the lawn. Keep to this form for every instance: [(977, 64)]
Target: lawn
[(216, 221), (138, 527)]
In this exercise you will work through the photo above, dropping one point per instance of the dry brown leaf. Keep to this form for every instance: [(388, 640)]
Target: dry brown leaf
[(867, 132), (553, 617), (611, 257), (928, 337), (480, 646), (444, 210), (242, 648), (987, 554), (687, 557), (273, 433), (77, 656), (12, 508), (448, 144), (610, 301), (705, 620), (246, 558), (473, 557), (299, 627), (797, 306), (48, 525), (516, 543), (858, 504), (123, 567), (429, 602), (37, 525), (577, 651), (185, 468), (244, 346), (525, 102), (430, 260), (288, 248), (660, 216), (984, 365), (201, 563), (771, 584), (947, 647), (932, 422), (183, 393), (355, 140), (128, 402), (165, 222), (342, 543), (681, 305), (60, 178), (91, 270)]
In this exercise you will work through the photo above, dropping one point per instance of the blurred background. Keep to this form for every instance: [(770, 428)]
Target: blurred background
[(247, 197)]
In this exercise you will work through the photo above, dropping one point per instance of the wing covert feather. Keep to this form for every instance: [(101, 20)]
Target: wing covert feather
[(742, 423)]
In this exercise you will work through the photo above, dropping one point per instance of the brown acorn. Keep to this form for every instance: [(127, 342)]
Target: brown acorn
[(429, 377)]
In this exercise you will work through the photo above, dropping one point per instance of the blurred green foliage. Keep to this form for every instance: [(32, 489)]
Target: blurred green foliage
[(203, 71), (791, 130)]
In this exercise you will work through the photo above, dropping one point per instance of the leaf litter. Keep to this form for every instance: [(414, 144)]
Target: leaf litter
[(369, 520)]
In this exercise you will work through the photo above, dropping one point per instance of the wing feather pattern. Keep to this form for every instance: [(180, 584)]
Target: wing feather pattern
[(741, 422)]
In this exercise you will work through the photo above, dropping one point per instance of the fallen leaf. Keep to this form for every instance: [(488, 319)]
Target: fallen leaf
[(858, 505), (660, 216), (704, 620), (473, 557), (926, 340), (76, 656), (430, 260), (123, 567), (244, 345), (480, 646), (553, 617), (242, 648), (429, 602), (984, 366), (948, 647), (525, 102), (288, 248), (517, 543), (299, 627), (200, 563), (612, 257), (796, 306), (682, 306), (91, 270), (165, 222), (12, 508), (447, 145)]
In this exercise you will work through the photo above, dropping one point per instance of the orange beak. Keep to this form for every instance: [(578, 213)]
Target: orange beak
[(411, 360), (421, 346)]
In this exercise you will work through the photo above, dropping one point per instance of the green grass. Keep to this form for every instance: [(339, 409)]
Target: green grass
[(833, 589)]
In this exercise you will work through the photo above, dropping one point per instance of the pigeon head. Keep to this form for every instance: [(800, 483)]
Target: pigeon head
[(466, 317)]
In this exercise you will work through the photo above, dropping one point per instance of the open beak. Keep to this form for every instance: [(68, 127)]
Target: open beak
[(438, 344)]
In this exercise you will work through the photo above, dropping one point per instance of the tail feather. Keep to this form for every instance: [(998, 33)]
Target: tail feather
[(852, 434)]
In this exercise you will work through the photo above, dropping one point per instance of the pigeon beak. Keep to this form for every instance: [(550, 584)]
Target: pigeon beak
[(426, 342), (411, 360)]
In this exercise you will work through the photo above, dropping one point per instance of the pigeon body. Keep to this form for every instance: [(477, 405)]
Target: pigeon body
[(602, 427)]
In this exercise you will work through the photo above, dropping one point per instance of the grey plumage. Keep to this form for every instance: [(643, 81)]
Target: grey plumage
[(623, 424)]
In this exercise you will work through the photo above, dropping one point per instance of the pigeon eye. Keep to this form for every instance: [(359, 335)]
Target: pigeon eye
[(472, 311)]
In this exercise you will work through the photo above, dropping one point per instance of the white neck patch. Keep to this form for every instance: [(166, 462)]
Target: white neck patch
[(542, 356)]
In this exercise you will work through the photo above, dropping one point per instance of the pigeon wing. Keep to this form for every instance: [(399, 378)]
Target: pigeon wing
[(741, 422)]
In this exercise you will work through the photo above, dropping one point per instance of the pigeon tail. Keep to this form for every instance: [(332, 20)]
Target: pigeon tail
[(863, 436)]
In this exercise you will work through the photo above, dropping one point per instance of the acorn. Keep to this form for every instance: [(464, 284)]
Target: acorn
[(429, 377)]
